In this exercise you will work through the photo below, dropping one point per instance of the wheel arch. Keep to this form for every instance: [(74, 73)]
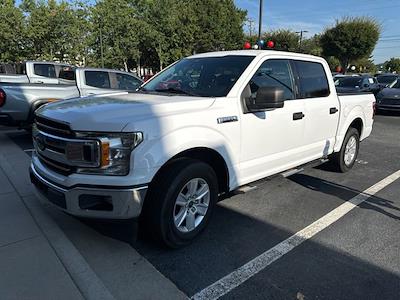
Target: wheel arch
[(357, 124), (207, 155)]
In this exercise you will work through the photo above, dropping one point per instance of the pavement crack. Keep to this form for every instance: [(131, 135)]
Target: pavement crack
[(19, 241)]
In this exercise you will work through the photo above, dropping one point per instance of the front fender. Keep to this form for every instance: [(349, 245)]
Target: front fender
[(153, 153)]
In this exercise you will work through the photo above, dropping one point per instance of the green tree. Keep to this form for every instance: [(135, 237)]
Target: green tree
[(219, 25), (365, 65), (116, 32), (284, 39), (56, 30), (351, 39), (171, 29), (11, 32), (392, 65), (312, 46)]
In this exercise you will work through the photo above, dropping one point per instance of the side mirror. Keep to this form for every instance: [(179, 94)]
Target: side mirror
[(366, 85), (267, 98)]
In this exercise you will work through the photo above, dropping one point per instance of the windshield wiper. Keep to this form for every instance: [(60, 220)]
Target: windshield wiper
[(176, 91)]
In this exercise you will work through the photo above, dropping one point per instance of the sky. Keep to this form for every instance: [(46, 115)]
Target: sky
[(316, 15)]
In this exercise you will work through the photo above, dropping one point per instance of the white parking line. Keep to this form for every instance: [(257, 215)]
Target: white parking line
[(245, 272)]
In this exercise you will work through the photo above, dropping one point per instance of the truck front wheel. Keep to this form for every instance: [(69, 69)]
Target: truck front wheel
[(344, 160), (180, 202)]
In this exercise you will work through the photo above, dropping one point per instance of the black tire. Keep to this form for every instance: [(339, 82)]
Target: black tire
[(338, 159), (158, 213)]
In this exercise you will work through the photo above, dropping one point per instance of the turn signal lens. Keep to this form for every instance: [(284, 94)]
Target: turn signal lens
[(105, 154)]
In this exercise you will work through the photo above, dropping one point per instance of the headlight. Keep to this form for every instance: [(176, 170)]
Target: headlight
[(115, 152)]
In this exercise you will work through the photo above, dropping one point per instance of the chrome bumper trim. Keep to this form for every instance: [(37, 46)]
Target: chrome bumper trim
[(126, 203)]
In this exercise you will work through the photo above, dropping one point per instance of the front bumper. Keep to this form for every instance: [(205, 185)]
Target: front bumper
[(90, 201)]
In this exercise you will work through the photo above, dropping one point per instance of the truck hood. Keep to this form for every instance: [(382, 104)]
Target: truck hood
[(390, 93), (113, 112)]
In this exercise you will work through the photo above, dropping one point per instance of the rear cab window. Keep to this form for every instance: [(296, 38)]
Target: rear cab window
[(45, 70), (312, 80), (67, 73), (98, 79)]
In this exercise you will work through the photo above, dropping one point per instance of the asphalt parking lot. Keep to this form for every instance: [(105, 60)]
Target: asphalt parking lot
[(357, 257)]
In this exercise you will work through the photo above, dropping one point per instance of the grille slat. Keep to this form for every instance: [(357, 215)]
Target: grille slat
[(391, 101)]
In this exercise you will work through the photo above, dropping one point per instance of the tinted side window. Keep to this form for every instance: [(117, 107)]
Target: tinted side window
[(67, 73), (312, 80), (127, 82), (45, 70), (274, 73), (97, 79)]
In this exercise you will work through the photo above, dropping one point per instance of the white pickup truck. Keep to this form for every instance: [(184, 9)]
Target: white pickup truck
[(33, 72), (18, 101), (203, 127)]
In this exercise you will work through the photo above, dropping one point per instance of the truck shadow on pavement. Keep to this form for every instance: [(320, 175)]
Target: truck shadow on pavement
[(345, 193), (317, 269)]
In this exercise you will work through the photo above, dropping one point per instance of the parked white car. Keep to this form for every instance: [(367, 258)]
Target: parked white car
[(203, 127)]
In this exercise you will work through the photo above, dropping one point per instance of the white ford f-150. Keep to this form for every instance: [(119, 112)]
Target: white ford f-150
[(203, 127)]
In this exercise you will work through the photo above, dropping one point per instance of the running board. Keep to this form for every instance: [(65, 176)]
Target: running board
[(292, 172), (249, 187), (244, 189)]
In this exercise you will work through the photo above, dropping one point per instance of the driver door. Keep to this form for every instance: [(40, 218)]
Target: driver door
[(271, 139)]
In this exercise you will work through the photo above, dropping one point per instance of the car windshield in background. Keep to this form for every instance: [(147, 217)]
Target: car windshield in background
[(396, 85), (387, 79), (206, 76), (350, 82)]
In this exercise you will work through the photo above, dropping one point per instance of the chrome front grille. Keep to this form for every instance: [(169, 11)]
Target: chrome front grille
[(388, 101), (61, 153), (53, 127)]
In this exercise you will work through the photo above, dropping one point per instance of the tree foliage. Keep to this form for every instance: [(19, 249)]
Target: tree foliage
[(392, 65), (129, 34), (351, 39), (284, 39), (11, 31), (55, 30)]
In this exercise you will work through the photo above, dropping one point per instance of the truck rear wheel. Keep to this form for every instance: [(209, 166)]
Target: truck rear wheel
[(180, 202), (344, 160)]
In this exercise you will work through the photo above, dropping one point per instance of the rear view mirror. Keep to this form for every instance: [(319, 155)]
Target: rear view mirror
[(266, 98)]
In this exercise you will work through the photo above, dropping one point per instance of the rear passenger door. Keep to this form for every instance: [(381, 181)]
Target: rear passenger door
[(321, 108), (44, 73)]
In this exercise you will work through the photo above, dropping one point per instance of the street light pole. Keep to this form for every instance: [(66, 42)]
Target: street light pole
[(301, 37), (260, 20), (101, 49)]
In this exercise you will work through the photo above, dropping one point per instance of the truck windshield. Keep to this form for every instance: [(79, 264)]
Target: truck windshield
[(396, 84), (387, 79), (205, 76)]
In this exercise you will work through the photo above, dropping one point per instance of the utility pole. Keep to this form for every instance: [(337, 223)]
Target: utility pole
[(251, 22), (301, 32), (101, 49), (260, 20)]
